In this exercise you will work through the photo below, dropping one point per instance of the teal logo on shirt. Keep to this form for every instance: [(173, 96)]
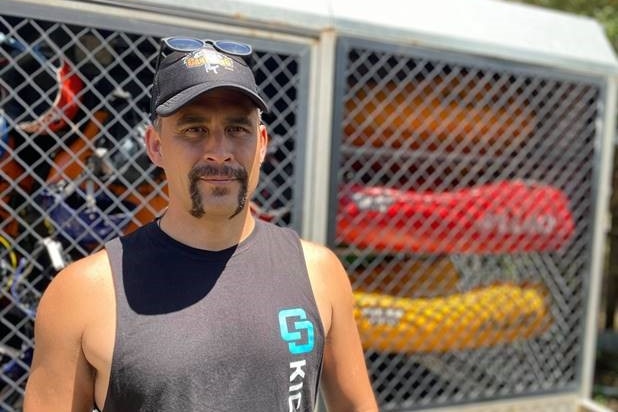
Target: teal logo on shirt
[(296, 330)]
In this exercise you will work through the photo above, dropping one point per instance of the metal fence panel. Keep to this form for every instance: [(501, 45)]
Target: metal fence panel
[(73, 168), (462, 210)]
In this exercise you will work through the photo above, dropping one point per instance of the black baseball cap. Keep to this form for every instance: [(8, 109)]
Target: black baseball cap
[(181, 77)]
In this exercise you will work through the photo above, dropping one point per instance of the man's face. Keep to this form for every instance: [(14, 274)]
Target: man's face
[(211, 150)]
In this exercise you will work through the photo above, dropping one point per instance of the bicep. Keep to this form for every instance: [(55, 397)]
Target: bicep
[(60, 377)]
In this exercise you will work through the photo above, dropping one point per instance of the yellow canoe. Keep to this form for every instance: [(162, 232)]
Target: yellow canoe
[(482, 317)]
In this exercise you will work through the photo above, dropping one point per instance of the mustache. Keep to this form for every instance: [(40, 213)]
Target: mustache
[(227, 172), (224, 171)]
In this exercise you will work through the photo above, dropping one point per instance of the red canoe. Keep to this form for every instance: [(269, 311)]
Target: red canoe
[(504, 217)]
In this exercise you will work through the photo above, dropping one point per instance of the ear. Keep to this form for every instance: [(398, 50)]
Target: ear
[(263, 141), (153, 146)]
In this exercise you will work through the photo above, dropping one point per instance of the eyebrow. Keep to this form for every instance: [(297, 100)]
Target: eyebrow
[(241, 120), (191, 118)]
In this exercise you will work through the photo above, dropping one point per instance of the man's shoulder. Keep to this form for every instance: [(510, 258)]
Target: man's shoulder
[(93, 265), (314, 247), (81, 275), (315, 253), (318, 254), (75, 296)]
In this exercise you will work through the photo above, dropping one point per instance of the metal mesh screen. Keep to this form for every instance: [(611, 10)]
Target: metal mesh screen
[(463, 216), (74, 104)]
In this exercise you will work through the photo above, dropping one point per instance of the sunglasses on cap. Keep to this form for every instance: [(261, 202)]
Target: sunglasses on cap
[(189, 44)]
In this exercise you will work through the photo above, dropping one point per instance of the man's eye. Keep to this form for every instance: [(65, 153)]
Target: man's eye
[(194, 131), (237, 130)]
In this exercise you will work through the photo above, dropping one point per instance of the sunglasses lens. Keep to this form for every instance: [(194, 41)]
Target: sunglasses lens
[(232, 47), (183, 43)]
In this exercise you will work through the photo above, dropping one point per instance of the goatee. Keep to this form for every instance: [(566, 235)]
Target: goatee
[(199, 172)]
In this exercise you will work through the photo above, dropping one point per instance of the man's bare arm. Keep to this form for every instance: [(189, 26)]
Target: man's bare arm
[(345, 383), (60, 377)]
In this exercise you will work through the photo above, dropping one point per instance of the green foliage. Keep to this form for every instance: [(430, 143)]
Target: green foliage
[(604, 11)]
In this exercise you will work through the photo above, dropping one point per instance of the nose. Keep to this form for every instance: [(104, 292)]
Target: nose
[(218, 148)]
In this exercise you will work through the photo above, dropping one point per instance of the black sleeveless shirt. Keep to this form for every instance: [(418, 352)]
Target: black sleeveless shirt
[(234, 330)]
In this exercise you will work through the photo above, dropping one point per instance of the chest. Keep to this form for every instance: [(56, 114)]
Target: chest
[(234, 341), (189, 329)]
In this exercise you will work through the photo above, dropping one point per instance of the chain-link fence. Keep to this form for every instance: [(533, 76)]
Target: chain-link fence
[(463, 201), (73, 168)]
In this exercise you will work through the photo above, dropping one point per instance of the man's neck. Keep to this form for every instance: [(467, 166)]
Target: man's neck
[(208, 233)]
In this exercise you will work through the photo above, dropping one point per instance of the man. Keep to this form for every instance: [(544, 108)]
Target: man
[(206, 309)]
